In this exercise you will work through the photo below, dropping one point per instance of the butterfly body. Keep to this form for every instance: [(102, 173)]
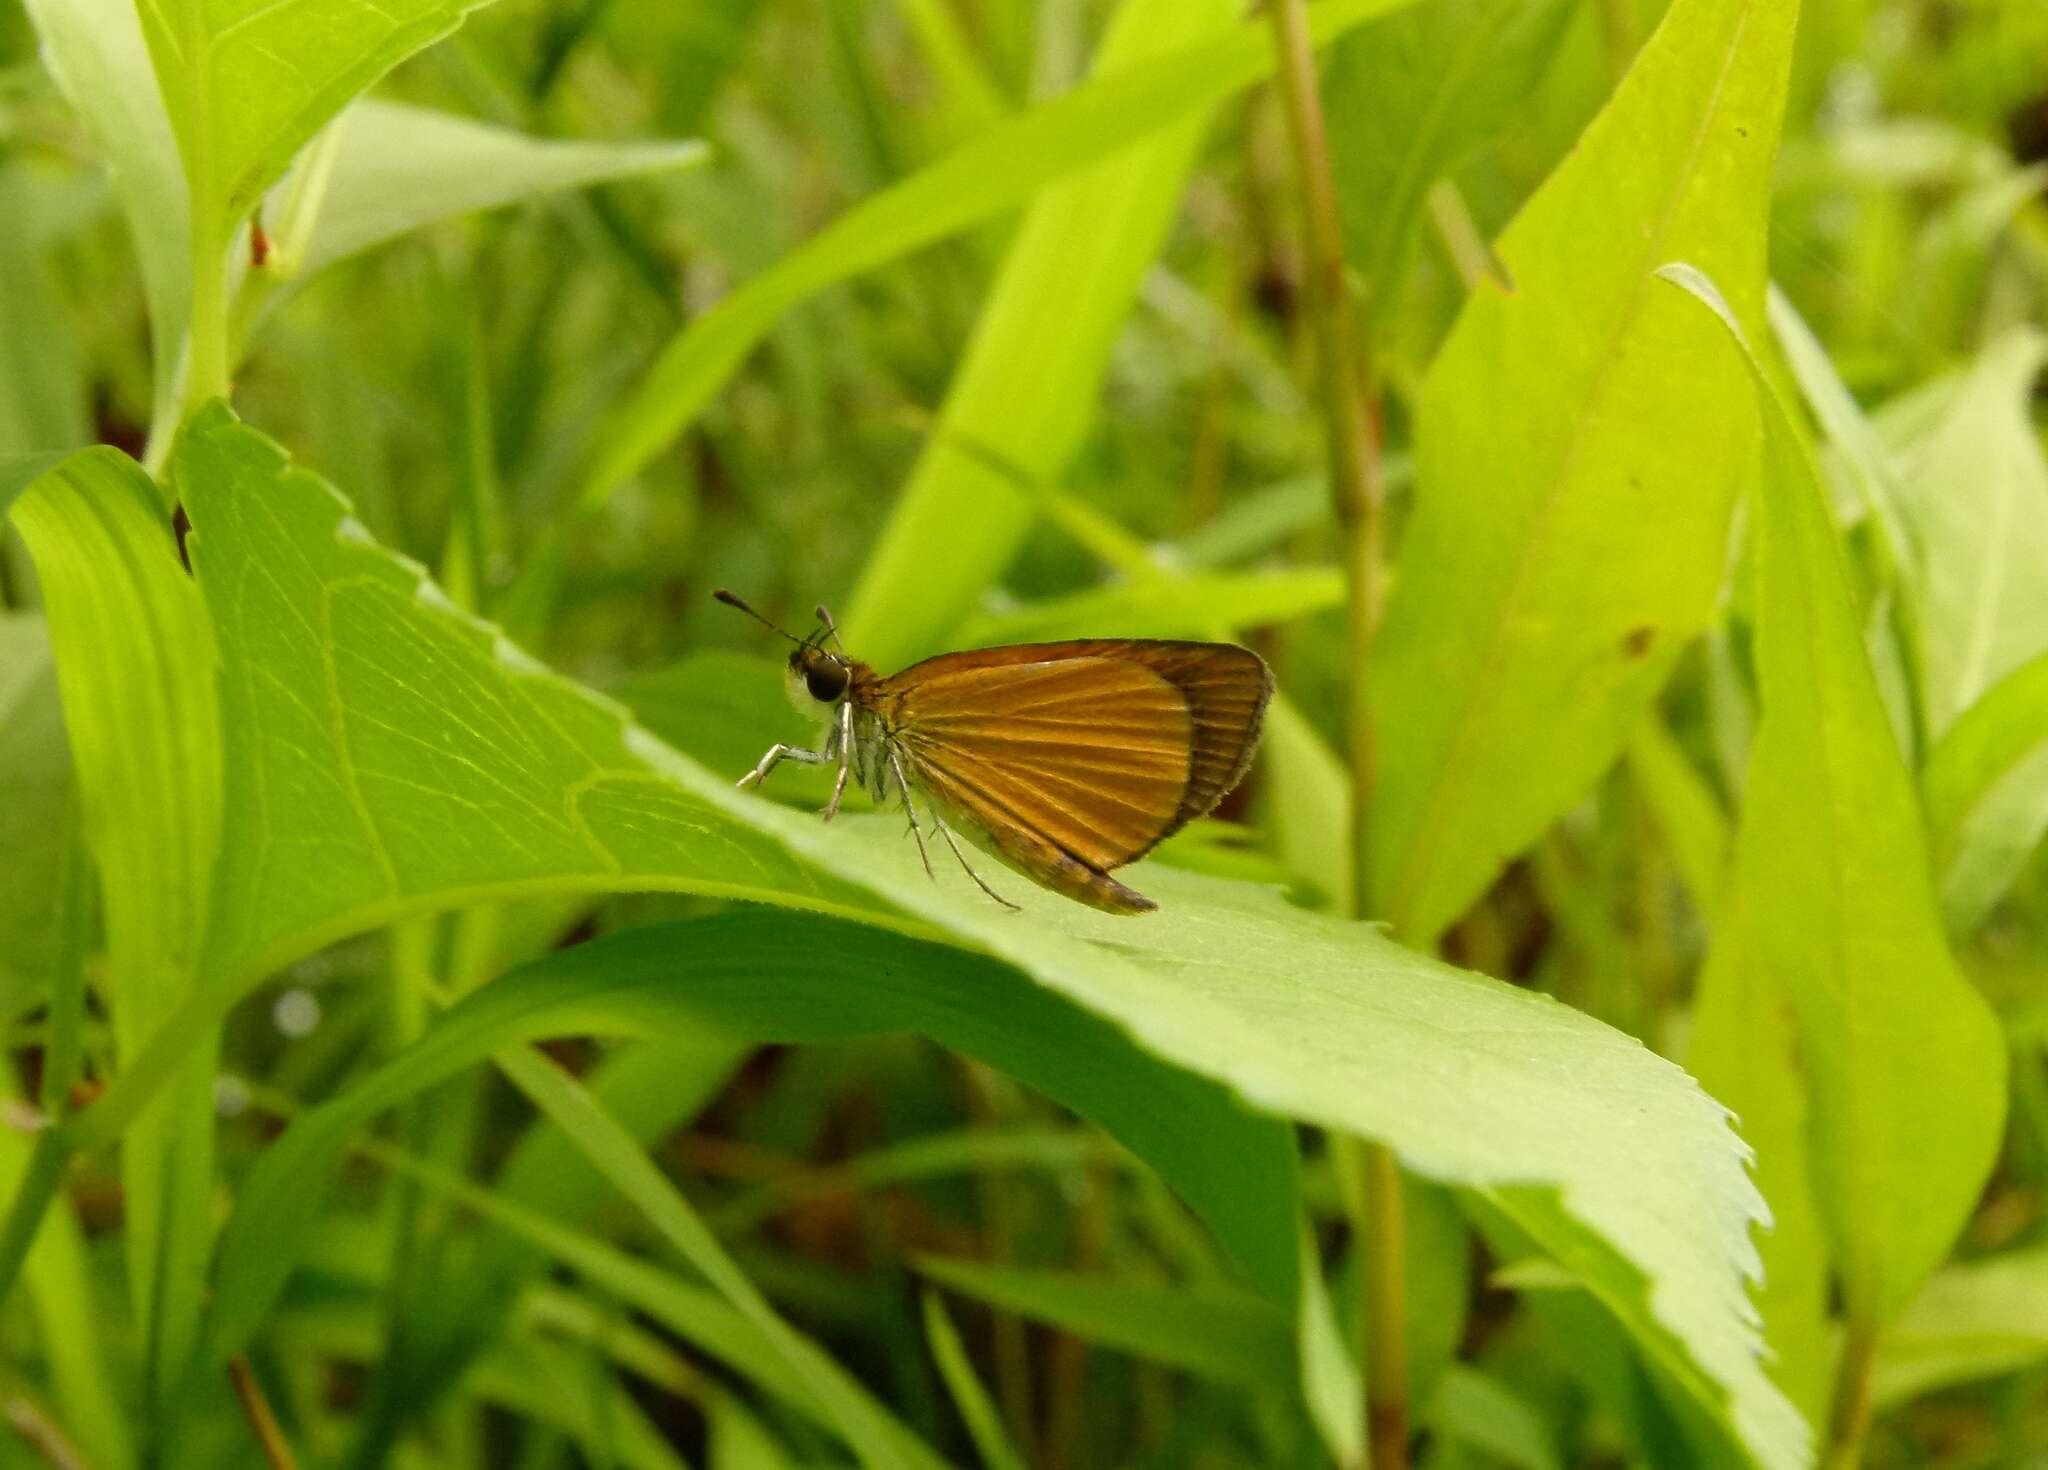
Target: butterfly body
[(1067, 760)]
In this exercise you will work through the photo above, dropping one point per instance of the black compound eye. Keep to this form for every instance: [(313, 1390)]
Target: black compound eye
[(826, 681)]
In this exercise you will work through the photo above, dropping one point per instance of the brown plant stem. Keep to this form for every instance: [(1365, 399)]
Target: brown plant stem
[(42, 1433), (269, 1437), (1351, 424)]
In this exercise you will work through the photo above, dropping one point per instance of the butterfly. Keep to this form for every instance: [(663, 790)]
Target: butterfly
[(1068, 760)]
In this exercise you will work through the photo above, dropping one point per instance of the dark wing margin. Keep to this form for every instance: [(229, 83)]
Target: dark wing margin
[(1227, 689)]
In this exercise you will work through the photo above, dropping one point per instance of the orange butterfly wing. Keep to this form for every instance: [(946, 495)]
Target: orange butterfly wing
[(1076, 758)]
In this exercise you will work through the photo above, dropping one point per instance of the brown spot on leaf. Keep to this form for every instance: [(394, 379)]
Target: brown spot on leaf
[(1636, 642)]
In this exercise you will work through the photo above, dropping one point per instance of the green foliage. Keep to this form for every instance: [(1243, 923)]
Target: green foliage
[(247, 82), (1517, 675), (403, 1008), (1834, 919)]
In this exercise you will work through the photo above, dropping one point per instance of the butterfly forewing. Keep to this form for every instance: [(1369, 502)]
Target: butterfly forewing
[(1075, 758)]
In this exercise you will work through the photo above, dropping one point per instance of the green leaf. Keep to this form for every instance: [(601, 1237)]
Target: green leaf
[(1475, 1409), (1976, 502), (1687, 810), (429, 763), (1230, 1336), (42, 385), (877, 1438), (134, 650), (651, 1090), (95, 50), (73, 1331), (413, 743), (1578, 447), (1869, 462), (1980, 1320), (1977, 505), (1415, 95), (788, 978), (19, 471), (1745, 1049), (977, 1411), (1985, 788), (247, 82), (995, 172), (695, 1314), (395, 168), (35, 775), (1833, 912)]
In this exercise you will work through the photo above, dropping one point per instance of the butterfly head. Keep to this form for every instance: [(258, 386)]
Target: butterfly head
[(816, 679)]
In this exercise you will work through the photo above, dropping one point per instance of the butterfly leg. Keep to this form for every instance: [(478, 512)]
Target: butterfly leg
[(845, 744), (776, 755), (910, 811), (945, 832)]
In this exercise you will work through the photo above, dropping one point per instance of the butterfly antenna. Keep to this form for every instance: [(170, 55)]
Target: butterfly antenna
[(831, 629), (733, 599)]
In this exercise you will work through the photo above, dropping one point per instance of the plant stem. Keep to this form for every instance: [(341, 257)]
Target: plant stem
[(1351, 423), (269, 1437), (206, 364), (1386, 1312), (1350, 415), (1851, 1423)]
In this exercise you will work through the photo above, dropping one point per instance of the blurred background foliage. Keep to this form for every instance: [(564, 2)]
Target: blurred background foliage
[(452, 381)]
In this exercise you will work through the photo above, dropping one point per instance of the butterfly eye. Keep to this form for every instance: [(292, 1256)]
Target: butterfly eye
[(826, 681)]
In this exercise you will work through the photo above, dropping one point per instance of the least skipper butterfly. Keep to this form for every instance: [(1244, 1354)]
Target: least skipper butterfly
[(1068, 760)]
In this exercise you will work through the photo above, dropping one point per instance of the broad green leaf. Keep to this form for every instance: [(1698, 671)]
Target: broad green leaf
[(19, 471), (394, 168), (95, 50), (1165, 606), (1985, 788), (134, 651), (1231, 1336), (247, 82), (1745, 1049), (1832, 912), (1578, 446), (35, 775), (1411, 98), (414, 744), (995, 172), (1976, 502), (1979, 1320), (1026, 387), (396, 756)]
